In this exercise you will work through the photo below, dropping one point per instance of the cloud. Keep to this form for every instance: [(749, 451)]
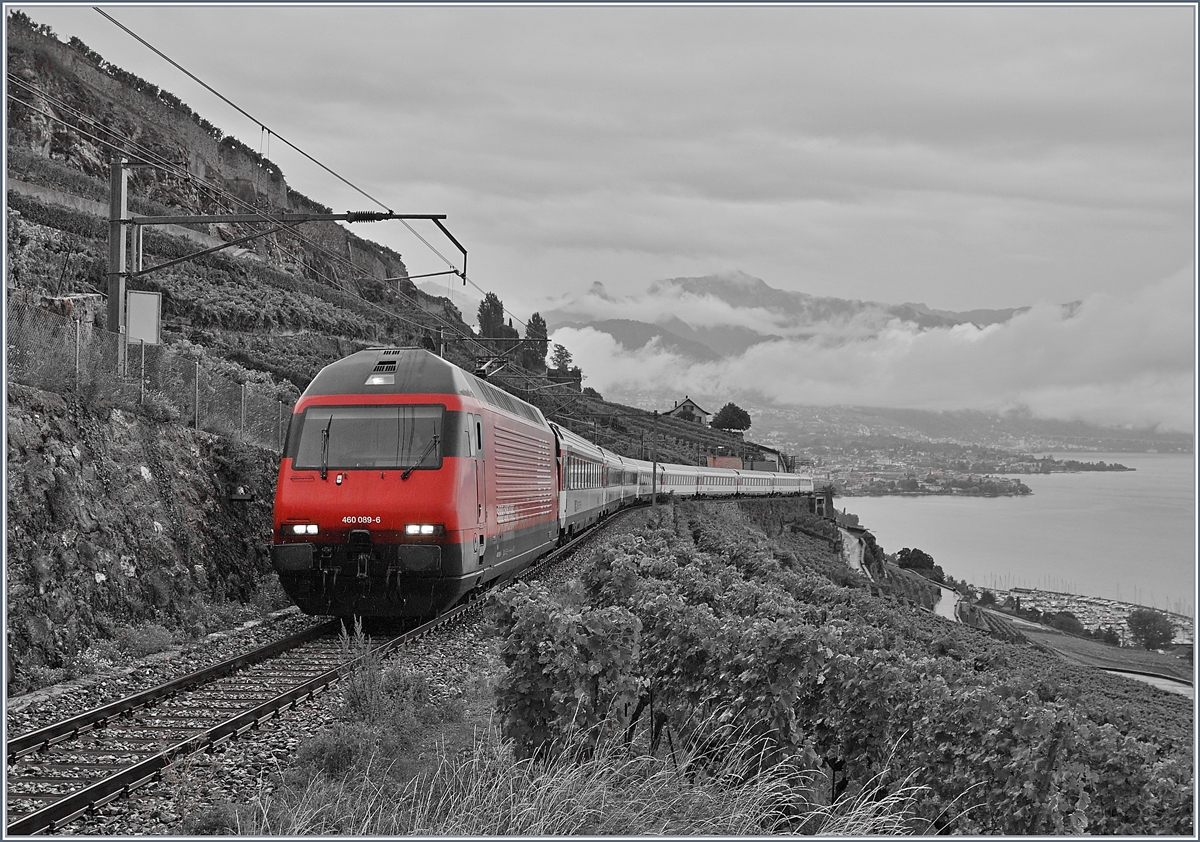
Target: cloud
[(971, 157), (1115, 360), (666, 301)]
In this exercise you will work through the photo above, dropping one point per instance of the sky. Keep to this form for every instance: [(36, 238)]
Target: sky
[(963, 157)]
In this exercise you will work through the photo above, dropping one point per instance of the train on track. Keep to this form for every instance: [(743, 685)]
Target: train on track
[(407, 484)]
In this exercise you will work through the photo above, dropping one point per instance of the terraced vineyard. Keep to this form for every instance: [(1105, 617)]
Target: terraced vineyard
[(700, 628)]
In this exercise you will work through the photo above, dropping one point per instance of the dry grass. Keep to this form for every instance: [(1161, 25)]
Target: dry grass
[(614, 791)]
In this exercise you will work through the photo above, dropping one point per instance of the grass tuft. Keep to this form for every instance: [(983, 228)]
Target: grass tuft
[(610, 789)]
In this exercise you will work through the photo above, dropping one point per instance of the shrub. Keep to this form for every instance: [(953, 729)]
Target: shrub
[(147, 639)]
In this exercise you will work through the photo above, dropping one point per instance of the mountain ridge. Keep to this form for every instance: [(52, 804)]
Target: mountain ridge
[(740, 297)]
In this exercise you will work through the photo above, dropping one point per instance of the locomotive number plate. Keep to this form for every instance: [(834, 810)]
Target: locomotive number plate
[(361, 519)]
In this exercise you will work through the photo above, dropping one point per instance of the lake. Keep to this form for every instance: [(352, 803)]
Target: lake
[(1126, 535)]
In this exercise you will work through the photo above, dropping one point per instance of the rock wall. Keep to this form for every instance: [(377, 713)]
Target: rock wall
[(115, 520)]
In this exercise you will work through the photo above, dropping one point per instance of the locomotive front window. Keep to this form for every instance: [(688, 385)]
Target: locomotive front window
[(347, 437)]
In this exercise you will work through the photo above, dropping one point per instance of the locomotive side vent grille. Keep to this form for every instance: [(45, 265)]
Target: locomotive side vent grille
[(502, 399)]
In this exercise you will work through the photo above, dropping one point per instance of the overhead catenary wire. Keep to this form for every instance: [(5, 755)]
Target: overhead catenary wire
[(264, 127), (238, 108), (129, 146), (151, 157), (168, 166)]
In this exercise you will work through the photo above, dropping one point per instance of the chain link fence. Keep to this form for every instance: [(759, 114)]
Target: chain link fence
[(68, 354)]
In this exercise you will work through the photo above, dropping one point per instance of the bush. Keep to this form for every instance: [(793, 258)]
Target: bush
[(217, 820), (144, 640)]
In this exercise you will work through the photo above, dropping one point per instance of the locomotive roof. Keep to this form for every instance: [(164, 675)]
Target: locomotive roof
[(414, 371)]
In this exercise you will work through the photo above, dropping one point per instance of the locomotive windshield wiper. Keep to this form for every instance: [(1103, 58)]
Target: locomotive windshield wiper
[(325, 448), (432, 444)]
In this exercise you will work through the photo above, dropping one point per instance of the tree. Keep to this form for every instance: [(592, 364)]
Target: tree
[(561, 358), (921, 562), (1150, 629), (1064, 621), (732, 417), (914, 559), (491, 315), (536, 342)]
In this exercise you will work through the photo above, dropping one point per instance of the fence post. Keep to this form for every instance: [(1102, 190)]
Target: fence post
[(242, 416), (142, 376), (77, 335), (197, 406)]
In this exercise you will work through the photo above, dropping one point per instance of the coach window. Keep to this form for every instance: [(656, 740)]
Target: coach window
[(478, 434)]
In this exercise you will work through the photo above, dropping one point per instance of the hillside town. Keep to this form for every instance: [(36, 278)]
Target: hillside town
[(895, 466), (859, 479)]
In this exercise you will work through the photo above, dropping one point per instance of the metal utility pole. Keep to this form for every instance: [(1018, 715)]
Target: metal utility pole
[(654, 459), (118, 176)]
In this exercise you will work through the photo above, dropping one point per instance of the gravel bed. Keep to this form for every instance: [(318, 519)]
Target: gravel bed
[(239, 770), (243, 770), (48, 705)]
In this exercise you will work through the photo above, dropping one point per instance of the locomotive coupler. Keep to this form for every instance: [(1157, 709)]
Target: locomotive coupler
[(324, 577), (364, 561)]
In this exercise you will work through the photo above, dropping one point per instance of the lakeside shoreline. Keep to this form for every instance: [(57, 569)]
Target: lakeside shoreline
[(1125, 536)]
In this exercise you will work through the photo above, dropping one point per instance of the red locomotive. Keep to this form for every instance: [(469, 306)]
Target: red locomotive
[(406, 483)]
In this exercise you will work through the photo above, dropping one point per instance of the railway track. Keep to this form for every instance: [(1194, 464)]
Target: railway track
[(60, 772)]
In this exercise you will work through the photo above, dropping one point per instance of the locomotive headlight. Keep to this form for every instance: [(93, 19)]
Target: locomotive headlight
[(424, 529), (304, 529)]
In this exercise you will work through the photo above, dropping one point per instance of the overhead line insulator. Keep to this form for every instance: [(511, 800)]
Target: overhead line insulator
[(367, 216)]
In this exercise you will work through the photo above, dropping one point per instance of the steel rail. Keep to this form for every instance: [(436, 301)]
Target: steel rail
[(56, 733), (69, 807)]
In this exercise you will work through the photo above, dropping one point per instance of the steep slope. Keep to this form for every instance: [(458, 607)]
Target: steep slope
[(72, 112)]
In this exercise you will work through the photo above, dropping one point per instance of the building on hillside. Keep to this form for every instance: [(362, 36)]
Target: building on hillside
[(820, 502), (689, 411)]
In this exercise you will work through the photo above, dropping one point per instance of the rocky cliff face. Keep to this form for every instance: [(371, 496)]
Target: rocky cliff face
[(62, 82), (115, 520)]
